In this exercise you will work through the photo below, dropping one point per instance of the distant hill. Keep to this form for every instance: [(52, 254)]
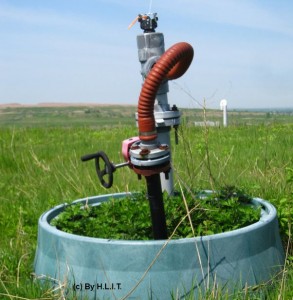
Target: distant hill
[(61, 104)]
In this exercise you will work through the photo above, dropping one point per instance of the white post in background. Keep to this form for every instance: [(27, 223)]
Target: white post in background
[(223, 105)]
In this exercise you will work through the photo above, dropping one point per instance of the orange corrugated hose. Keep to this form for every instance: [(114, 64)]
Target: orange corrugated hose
[(171, 65)]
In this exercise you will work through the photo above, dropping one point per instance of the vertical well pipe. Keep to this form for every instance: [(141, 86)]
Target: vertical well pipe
[(155, 197)]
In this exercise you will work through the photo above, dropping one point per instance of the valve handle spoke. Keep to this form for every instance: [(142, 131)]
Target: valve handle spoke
[(106, 174), (104, 168), (103, 172)]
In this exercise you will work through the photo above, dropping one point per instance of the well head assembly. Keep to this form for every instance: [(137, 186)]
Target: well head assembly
[(149, 154)]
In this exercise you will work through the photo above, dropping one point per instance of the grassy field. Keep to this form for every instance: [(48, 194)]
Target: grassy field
[(103, 116), (40, 165)]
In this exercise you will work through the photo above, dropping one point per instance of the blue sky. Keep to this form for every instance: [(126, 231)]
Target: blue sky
[(82, 51)]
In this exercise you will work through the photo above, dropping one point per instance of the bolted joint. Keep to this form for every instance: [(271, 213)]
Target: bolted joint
[(150, 160)]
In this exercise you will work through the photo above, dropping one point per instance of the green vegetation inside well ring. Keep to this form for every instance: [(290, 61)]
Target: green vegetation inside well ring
[(129, 218)]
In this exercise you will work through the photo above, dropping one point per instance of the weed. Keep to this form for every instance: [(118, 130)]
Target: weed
[(129, 218)]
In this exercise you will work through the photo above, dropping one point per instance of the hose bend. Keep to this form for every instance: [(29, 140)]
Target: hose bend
[(171, 65)]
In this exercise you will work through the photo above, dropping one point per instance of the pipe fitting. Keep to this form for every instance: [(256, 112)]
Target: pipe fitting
[(171, 65), (149, 161), (148, 65)]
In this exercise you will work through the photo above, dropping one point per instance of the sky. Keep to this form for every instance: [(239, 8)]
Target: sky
[(81, 51)]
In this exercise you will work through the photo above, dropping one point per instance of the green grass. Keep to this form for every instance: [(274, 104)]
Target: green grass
[(67, 116), (129, 219), (40, 168), (104, 116)]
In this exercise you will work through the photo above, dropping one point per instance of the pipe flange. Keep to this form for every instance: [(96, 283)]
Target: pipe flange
[(165, 118), (149, 156), (149, 171), (153, 160)]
